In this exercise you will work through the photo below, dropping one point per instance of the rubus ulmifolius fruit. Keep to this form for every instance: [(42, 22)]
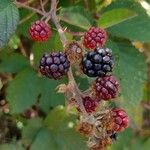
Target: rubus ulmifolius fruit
[(40, 31), (106, 88), (94, 37), (90, 104), (121, 120), (54, 65), (98, 63)]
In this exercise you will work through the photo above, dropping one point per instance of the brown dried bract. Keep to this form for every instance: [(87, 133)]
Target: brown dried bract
[(85, 128), (73, 51), (102, 144)]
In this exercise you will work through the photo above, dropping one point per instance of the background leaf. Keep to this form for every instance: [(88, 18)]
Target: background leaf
[(9, 17), (136, 28), (115, 16), (131, 70), (12, 62), (23, 91), (76, 16)]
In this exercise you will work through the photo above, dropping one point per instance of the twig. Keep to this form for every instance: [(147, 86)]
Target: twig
[(22, 49), (28, 7), (63, 38), (29, 16), (75, 33), (26, 18), (56, 22), (42, 6)]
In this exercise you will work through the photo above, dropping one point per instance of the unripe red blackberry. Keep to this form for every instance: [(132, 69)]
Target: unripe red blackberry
[(90, 104), (121, 119), (106, 88), (40, 31), (54, 65), (94, 37), (98, 62)]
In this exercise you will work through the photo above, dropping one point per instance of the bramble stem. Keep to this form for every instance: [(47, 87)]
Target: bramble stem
[(42, 6), (56, 22), (28, 7), (63, 38)]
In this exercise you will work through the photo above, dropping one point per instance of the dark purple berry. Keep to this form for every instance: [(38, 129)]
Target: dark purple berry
[(54, 65)]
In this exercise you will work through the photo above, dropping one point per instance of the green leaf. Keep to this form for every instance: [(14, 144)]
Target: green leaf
[(46, 139), (115, 16), (12, 146), (56, 117), (60, 134), (42, 89), (9, 17), (76, 16), (122, 140), (134, 142), (49, 96), (131, 70), (23, 91), (31, 130), (82, 82), (12, 62), (136, 28)]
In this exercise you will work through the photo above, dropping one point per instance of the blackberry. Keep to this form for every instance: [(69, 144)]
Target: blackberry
[(54, 65), (120, 118), (90, 104), (94, 37), (98, 62), (106, 88), (40, 31)]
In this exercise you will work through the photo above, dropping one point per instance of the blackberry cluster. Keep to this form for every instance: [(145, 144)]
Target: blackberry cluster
[(54, 65), (98, 63), (94, 37), (40, 31), (106, 87)]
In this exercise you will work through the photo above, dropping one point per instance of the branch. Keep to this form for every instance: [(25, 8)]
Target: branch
[(28, 7), (56, 22), (63, 38), (42, 6)]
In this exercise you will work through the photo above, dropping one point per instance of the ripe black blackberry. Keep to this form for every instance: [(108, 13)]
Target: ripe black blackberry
[(54, 65), (98, 62)]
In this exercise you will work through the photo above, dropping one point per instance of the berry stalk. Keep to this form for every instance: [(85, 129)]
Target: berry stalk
[(28, 7), (63, 39)]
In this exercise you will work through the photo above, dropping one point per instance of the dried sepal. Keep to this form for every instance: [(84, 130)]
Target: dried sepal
[(99, 144), (85, 128), (73, 51)]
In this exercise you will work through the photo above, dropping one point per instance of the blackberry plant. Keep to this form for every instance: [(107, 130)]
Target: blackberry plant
[(74, 71)]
